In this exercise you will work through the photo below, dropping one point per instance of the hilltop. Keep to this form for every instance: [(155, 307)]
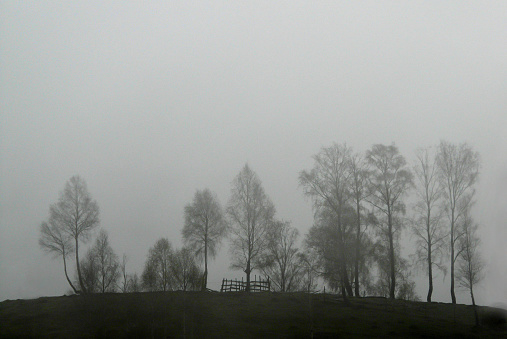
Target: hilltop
[(237, 315)]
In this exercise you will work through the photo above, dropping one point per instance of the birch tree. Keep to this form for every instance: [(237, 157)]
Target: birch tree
[(250, 213), (53, 239), (470, 264), (390, 181), (204, 228), (108, 266), (124, 285), (187, 275), (328, 185), (100, 266), (157, 274), (427, 224), (458, 170), (280, 262), (76, 215), (360, 191)]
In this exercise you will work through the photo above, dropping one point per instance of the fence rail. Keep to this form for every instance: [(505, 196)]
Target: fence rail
[(229, 285)]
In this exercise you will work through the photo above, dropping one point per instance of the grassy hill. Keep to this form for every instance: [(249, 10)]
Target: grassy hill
[(237, 315)]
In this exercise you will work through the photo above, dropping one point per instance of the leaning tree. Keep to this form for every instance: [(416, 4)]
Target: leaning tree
[(74, 216), (54, 240)]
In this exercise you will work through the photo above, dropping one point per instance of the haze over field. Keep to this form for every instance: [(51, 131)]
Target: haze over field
[(150, 102)]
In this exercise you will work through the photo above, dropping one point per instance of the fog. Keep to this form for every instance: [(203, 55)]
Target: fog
[(150, 102)]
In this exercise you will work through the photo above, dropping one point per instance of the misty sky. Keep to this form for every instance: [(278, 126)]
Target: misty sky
[(149, 102)]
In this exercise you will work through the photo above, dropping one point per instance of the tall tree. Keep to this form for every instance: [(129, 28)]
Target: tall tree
[(427, 225), (157, 274), (77, 215), (359, 190), (470, 263), (54, 240), (458, 170), (328, 185), (204, 227), (251, 214), (390, 180), (280, 262)]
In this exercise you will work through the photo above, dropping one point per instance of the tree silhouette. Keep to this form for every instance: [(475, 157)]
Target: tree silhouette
[(204, 227), (251, 214)]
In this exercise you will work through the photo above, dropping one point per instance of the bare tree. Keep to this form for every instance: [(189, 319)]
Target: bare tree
[(54, 240), (280, 261), (308, 262), (76, 214), (187, 275), (251, 213), (107, 263), (390, 180), (458, 170), (90, 272), (427, 225), (100, 266), (328, 185), (125, 279), (134, 284), (157, 269), (470, 264), (360, 191), (204, 227)]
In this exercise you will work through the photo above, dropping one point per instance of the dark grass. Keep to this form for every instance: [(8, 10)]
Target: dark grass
[(238, 315)]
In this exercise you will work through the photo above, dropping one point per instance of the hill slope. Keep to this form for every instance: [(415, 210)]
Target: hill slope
[(234, 315)]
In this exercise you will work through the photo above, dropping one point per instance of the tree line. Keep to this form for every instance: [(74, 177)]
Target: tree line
[(362, 203)]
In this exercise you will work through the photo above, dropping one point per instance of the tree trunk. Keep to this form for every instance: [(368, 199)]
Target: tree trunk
[(282, 281), (343, 264), (475, 307), (430, 265), (344, 294), (346, 281), (453, 296), (103, 280), (67, 276), (392, 288), (81, 283), (358, 252), (247, 271), (430, 276), (205, 276)]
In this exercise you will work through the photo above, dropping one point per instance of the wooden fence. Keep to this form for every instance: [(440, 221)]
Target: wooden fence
[(240, 285)]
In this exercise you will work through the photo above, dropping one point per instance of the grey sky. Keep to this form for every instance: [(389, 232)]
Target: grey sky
[(149, 102)]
